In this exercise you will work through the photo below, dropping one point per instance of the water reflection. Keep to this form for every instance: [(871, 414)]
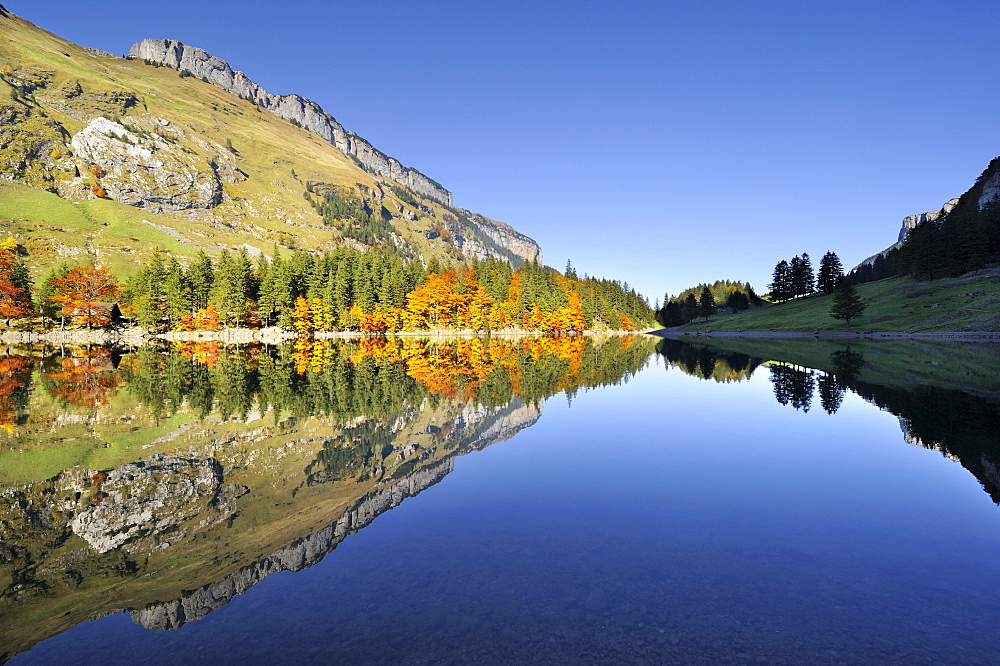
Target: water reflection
[(956, 413), (165, 482)]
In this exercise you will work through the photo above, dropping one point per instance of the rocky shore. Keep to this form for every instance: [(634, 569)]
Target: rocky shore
[(136, 337)]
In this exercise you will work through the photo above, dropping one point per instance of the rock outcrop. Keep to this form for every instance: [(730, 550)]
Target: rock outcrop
[(305, 112), (144, 167), (490, 238), (910, 222), (991, 190)]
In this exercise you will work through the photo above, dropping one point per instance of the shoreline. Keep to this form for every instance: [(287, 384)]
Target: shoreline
[(137, 337), (954, 336)]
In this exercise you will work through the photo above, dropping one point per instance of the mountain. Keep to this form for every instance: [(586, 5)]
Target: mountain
[(102, 157), (985, 191)]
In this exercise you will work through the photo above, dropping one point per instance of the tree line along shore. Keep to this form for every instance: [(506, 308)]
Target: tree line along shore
[(305, 293)]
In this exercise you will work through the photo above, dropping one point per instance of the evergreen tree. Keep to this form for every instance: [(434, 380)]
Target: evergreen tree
[(146, 293), (831, 393), (706, 304), (830, 273), (802, 279), (781, 282), (847, 305), (176, 292), (690, 308), (201, 277)]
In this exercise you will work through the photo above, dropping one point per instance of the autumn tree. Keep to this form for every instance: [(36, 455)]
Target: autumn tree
[(81, 291), (15, 286)]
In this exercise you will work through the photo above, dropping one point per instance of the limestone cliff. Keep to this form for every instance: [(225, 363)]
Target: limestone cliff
[(985, 191), (305, 112)]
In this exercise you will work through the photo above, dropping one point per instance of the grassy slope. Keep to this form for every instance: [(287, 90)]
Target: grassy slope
[(265, 209), (966, 303)]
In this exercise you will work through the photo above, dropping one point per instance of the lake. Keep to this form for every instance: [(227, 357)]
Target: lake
[(566, 500)]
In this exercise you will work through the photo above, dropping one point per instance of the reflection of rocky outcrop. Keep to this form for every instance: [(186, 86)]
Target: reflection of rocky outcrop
[(473, 428), (295, 557), (138, 503), (305, 112)]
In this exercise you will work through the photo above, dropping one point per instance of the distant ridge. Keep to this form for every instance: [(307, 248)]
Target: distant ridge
[(305, 112)]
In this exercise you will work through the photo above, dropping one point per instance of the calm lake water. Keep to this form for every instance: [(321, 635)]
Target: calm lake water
[(560, 501)]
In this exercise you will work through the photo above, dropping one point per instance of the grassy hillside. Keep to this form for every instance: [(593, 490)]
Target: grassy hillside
[(51, 90), (967, 303)]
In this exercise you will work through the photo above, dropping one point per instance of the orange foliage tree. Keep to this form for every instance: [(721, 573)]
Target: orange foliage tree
[(203, 319), (81, 291), (15, 301), (435, 303)]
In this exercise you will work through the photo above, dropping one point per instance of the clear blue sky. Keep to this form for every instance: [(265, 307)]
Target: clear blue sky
[(660, 143)]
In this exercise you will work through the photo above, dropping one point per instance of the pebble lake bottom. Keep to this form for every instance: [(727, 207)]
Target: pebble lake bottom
[(668, 519)]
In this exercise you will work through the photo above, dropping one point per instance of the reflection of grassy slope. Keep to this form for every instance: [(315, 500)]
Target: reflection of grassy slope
[(277, 157), (268, 458), (967, 303), (970, 367)]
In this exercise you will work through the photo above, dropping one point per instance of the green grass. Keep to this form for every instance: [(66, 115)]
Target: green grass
[(966, 303)]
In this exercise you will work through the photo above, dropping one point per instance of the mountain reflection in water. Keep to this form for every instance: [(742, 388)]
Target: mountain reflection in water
[(165, 482)]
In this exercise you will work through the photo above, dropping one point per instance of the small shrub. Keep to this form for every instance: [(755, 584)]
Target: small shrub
[(97, 171), (99, 192)]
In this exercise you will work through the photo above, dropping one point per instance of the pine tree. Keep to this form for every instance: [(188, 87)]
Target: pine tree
[(146, 292), (802, 279), (830, 273), (176, 292), (847, 305), (706, 303), (201, 277), (690, 308), (781, 282)]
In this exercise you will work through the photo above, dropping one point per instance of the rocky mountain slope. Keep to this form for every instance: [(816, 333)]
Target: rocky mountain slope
[(985, 191), (102, 157), (305, 112)]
